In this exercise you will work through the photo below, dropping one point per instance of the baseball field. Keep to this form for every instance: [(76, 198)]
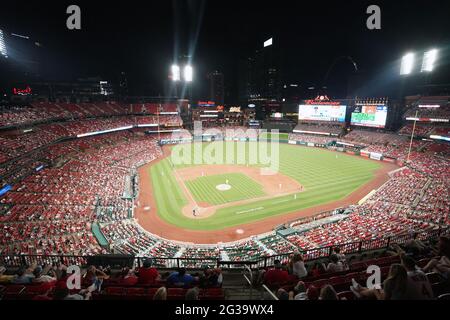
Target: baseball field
[(225, 195)]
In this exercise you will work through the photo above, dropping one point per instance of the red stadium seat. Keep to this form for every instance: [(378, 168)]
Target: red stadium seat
[(212, 294), (115, 290), (13, 292), (445, 296), (176, 293)]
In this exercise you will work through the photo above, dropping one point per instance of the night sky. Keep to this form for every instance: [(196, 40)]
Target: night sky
[(142, 38)]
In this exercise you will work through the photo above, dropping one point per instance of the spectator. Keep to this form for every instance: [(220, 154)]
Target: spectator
[(312, 293), (219, 274), (276, 276), (317, 270), (192, 294), (41, 277), (335, 265), (23, 276), (419, 288), (63, 276), (395, 287), (128, 278), (298, 266), (180, 278), (441, 264), (328, 293), (282, 294), (5, 278), (341, 256), (147, 274), (209, 278), (299, 292), (61, 293), (95, 277), (160, 294), (416, 248)]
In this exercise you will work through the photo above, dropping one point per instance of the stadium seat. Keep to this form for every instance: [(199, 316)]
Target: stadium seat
[(346, 295), (434, 277), (212, 294), (135, 293), (176, 293), (445, 296), (13, 292), (358, 266), (150, 293), (113, 293)]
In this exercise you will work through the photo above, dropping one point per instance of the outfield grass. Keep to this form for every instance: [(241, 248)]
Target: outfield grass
[(203, 189), (326, 176), (279, 136)]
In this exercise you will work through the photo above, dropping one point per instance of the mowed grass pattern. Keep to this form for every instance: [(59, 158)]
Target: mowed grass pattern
[(327, 176), (279, 136), (204, 189)]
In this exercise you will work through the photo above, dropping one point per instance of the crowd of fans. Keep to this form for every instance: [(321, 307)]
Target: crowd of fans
[(324, 127), (310, 138), (87, 186), (430, 112), (44, 111), (83, 181), (415, 270), (51, 211), (50, 282)]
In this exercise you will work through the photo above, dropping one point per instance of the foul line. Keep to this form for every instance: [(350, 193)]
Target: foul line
[(183, 185), (250, 210)]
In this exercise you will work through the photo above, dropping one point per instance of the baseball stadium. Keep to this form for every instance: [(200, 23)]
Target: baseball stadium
[(186, 196)]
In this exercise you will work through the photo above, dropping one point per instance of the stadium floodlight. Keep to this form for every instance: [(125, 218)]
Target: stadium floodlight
[(3, 50), (175, 73), (268, 42), (429, 58), (407, 64), (188, 73)]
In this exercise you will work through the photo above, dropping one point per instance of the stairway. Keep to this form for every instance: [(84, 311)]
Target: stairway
[(236, 288)]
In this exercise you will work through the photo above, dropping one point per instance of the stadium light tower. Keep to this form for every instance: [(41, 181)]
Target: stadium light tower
[(175, 69), (407, 64), (188, 73), (429, 58), (3, 50)]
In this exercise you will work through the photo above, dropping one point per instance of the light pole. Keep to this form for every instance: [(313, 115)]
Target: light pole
[(188, 76), (185, 77), (412, 135), (407, 67)]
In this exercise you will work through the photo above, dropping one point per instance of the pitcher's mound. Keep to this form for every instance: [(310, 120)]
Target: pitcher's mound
[(223, 187)]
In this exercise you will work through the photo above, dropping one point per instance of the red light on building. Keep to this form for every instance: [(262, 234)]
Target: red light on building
[(22, 92)]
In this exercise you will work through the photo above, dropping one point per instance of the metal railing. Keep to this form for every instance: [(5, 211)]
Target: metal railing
[(271, 294), (20, 260)]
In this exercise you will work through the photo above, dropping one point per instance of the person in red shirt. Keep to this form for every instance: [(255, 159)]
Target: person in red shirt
[(128, 278), (276, 276), (147, 274)]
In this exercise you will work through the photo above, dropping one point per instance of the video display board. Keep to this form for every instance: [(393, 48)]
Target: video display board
[(319, 112), (370, 116)]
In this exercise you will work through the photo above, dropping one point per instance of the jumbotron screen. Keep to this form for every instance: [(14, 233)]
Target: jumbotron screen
[(322, 112), (370, 116)]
